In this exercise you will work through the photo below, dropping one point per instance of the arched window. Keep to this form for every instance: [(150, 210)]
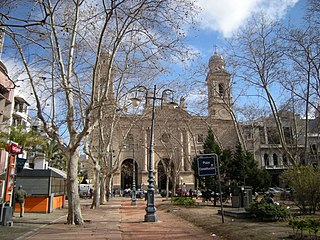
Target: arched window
[(221, 89), (275, 159), (266, 159), (165, 137), (285, 160)]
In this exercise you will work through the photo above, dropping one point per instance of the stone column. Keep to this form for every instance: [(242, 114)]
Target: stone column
[(187, 147), (145, 150), (182, 151)]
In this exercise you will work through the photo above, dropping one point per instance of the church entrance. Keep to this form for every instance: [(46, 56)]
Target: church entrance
[(127, 174), (163, 176)]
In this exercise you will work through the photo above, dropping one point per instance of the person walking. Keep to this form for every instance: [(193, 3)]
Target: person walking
[(20, 197), (270, 199)]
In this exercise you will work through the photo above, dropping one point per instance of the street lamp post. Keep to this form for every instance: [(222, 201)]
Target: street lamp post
[(133, 196), (151, 211)]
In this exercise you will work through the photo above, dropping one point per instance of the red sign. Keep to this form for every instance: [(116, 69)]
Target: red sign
[(14, 148)]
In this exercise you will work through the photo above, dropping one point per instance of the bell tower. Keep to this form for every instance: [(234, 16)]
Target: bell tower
[(219, 92)]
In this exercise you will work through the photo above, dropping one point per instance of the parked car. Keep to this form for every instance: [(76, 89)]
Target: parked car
[(163, 193), (182, 192), (126, 192), (140, 193), (274, 190), (197, 193)]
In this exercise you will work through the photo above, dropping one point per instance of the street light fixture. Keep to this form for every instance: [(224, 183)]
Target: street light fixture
[(151, 211)]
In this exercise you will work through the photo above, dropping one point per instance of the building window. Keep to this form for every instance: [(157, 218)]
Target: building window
[(200, 138), (129, 139), (273, 135), (275, 160), (313, 149), (288, 135), (285, 160), (262, 135), (165, 137), (221, 89), (266, 159)]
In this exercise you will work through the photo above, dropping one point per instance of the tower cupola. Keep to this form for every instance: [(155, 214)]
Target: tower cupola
[(216, 62)]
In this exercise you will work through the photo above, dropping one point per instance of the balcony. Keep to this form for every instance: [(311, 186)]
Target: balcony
[(276, 167)]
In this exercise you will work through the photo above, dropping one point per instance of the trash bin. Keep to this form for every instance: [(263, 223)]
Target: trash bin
[(241, 196), (6, 215), (247, 196), (236, 197)]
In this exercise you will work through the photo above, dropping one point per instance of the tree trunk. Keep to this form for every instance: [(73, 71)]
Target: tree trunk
[(167, 187), (108, 186), (174, 182), (74, 210), (103, 190), (96, 193)]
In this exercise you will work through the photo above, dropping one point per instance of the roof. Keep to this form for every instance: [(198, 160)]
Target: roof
[(21, 100), (50, 172)]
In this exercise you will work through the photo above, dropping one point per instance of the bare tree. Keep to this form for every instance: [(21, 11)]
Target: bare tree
[(301, 46), (61, 58), (260, 62)]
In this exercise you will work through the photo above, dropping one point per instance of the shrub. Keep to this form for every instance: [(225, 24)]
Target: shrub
[(305, 224), (305, 180), (186, 201), (268, 212)]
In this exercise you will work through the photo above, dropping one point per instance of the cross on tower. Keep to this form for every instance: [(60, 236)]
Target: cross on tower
[(215, 47)]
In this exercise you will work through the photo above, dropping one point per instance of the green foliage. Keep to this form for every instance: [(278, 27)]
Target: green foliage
[(186, 201), (56, 156), (240, 168), (305, 224), (305, 180), (27, 139), (268, 212), (33, 142), (210, 145)]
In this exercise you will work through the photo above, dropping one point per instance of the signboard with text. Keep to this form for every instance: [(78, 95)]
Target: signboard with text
[(14, 148), (207, 165)]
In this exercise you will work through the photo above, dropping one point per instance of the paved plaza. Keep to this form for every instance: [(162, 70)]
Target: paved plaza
[(117, 220)]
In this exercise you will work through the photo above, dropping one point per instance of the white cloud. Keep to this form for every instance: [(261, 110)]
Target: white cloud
[(226, 16), (20, 78)]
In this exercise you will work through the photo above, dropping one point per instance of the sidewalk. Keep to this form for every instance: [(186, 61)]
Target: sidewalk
[(117, 220)]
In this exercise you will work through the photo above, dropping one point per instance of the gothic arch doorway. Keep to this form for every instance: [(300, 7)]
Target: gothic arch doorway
[(127, 174), (163, 176)]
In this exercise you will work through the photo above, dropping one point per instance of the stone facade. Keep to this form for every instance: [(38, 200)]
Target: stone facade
[(263, 141), (178, 135), (6, 106)]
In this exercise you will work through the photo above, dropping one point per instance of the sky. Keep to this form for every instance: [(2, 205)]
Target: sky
[(219, 18)]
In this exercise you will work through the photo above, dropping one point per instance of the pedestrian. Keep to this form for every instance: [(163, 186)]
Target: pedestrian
[(256, 197), (91, 192), (190, 193), (270, 199), (20, 197)]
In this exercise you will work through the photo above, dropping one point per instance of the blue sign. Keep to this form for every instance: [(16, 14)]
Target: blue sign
[(207, 166), (20, 164)]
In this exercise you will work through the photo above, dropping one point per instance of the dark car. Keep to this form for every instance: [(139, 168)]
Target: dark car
[(140, 193), (164, 193)]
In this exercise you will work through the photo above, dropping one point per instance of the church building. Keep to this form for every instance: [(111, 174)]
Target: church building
[(178, 135)]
